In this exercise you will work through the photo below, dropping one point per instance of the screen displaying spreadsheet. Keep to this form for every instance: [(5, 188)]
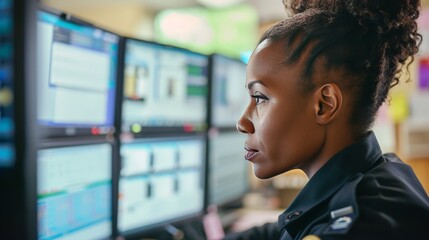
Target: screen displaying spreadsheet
[(74, 188), (161, 180)]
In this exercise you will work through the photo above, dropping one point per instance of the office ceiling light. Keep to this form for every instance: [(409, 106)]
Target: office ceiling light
[(219, 3)]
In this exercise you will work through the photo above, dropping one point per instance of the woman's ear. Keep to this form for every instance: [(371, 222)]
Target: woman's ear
[(328, 100)]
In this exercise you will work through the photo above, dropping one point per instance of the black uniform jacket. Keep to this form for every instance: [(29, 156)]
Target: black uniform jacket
[(358, 194)]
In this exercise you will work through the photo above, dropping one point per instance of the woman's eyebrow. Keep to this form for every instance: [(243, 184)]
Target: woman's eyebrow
[(250, 84)]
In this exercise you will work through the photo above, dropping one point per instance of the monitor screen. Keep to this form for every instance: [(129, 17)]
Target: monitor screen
[(228, 170), (228, 95), (164, 87), (74, 187), (161, 181), (77, 72), (7, 148)]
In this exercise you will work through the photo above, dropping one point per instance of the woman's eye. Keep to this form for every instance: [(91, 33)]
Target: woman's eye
[(259, 99)]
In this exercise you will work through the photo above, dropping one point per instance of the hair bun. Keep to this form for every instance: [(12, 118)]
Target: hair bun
[(394, 21), (386, 15)]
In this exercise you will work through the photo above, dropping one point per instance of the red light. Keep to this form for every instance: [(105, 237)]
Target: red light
[(188, 128), (95, 131)]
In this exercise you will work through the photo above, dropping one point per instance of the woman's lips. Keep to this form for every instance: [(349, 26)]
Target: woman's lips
[(250, 153)]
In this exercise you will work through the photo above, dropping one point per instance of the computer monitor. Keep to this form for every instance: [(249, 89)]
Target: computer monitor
[(165, 88), (228, 95), (74, 186), (161, 182), (228, 176), (77, 74)]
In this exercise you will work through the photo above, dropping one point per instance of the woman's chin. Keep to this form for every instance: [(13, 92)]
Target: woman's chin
[(263, 173)]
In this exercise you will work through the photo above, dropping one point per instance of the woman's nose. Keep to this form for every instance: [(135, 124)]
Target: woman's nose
[(244, 125)]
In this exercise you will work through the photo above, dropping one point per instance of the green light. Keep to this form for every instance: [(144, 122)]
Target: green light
[(227, 31), (136, 128)]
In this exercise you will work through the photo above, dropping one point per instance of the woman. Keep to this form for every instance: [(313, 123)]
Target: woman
[(316, 81)]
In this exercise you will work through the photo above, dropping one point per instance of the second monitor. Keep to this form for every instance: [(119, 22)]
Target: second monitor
[(164, 88)]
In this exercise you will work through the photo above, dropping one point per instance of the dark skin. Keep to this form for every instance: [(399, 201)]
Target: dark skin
[(287, 128)]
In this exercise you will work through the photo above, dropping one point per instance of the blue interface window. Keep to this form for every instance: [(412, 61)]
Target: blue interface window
[(7, 150), (76, 73)]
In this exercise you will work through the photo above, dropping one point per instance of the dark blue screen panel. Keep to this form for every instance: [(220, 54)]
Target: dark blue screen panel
[(7, 148)]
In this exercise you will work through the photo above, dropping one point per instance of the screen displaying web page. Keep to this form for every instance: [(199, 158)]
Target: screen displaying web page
[(163, 87), (77, 67), (74, 192), (160, 181)]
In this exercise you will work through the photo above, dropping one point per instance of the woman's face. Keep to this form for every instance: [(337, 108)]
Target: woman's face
[(280, 123)]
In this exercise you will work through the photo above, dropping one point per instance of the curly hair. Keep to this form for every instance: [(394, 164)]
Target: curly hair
[(368, 40)]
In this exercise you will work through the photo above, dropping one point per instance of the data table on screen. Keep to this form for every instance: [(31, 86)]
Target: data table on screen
[(161, 180), (74, 189)]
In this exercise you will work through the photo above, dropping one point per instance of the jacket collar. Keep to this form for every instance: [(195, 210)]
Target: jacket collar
[(342, 167)]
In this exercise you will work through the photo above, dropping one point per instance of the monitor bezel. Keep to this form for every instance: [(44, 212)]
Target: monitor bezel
[(154, 229), (84, 130), (162, 130)]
